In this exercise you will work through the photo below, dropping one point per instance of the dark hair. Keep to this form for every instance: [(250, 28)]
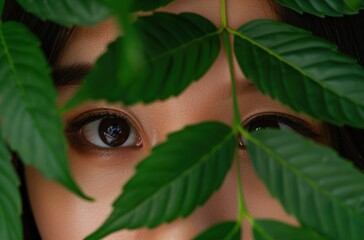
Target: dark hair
[(346, 32)]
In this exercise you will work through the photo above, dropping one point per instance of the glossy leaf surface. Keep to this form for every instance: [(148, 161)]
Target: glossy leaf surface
[(10, 201), (167, 184), (147, 5), (273, 230), (312, 182), (68, 12), (302, 71), (178, 50), (222, 231), (323, 8), (29, 118)]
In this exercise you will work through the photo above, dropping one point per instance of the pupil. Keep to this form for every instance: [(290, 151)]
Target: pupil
[(114, 131)]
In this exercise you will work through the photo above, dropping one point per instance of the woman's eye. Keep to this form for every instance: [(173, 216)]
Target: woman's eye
[(277, 121), (264, 124), (110, 131)]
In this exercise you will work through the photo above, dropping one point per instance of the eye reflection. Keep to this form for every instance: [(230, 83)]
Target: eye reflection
[(277, 121), (102, 129)]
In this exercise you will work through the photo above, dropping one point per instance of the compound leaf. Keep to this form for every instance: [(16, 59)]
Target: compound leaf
[(147, 5), (302, 71), (335, 8), (178, 50), (167, 184), (68, 12), (10, 201), (322, 190), (30, 122), (222, 231), (264, 229)]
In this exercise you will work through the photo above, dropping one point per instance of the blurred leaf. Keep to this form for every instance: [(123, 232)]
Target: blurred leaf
[(131, 55), (30, 122), (178, 50), (273, 230), (302, 71), (222, 231), (147, 5), (167, 184), (10, 201), (321, 8), (68, 12), (320, 188)]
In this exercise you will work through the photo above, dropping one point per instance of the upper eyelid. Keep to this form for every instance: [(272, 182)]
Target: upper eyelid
[(75, 123), (274, 114)]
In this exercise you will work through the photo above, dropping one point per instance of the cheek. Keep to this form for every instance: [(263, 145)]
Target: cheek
[(59, 214)]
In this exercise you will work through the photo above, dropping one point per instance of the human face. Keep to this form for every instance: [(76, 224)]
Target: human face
[(101, 172)]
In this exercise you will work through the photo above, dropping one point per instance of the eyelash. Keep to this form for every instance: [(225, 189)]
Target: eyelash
[(75, 125), (296, 124)]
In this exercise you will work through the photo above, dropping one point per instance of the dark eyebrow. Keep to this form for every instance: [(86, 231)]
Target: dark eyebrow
[(70, 75)]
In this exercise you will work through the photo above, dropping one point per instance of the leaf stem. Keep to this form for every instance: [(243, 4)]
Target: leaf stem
[(224, 22), (243, 211), (226, 39)]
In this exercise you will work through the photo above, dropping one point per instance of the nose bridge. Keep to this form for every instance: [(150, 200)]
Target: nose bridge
[(172, 116)]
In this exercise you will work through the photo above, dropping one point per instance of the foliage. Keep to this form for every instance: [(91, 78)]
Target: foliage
[(223, 231), (324, 7), (308, 74), (270, 230), (317, 68), (68, 12), (192, 42), (30, 121), (10, 202), (164, 185), (313, 176)]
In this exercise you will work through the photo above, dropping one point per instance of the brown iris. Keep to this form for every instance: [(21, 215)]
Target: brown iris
[(114, 131)]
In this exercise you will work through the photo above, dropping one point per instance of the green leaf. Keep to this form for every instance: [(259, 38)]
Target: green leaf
[(302, 71), (167, 184), (322, 190), (10, 201), (68, 12), (222, 231), (30, 121), (321, 8), (178, 50), (147, 5), (272, 230)]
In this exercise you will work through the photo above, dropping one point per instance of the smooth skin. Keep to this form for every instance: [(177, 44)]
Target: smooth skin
[(102, 172)]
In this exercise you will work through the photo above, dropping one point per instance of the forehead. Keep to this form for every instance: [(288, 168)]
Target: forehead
[(87, 43)]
